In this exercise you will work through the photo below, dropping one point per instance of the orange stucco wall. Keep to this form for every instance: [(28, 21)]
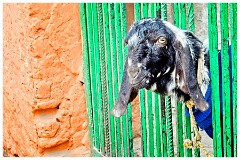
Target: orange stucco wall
[(44, 110)]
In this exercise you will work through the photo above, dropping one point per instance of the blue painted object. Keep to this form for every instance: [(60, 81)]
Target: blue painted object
[(204, 119)]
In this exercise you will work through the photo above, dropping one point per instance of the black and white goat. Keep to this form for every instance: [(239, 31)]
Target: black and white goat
[(166, 60)]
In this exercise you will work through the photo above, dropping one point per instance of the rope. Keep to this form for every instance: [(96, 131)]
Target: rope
[(196, 142)]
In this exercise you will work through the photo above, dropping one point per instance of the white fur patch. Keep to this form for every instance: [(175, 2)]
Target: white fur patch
[(133, 39), (147, 19), (129, 62), (172, 84), (178, 33), (154, 87), (206, 81), (168, 69), (180, 83), (177, 77), (139, 65)]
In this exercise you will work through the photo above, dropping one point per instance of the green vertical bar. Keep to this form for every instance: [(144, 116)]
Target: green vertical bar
[(187, 134), (128, 119), (154, 125), (143, 122), (144, 10), (152, 10), (225, 80), (233, 34), (182, 24), (103, 114), (120, 68), (179, 127), (168, 110), (182, 15), (93, 73), (107, 95), (149, 103), (163, 127), (130, 133), (166, 122), (179, 130), (152, 140), (214, 72), (176, 14), (169, 127), (144, 14), (115, 74), (158, 10), (137, 15), (109, 74), (122, 28), (137, 11), (157, 103), (191, 27), (111, 64), (150, 123), (98, 78), (164, 11), (129, 110), (86, 72), (157, 125), (119, 39)]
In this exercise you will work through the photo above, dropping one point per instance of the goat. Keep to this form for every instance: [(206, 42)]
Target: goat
[(166, 60)]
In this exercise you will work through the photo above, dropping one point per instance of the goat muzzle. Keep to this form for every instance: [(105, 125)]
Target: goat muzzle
[(136, 76)]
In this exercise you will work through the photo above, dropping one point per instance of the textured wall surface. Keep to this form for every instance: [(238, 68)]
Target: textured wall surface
[(43, 97)]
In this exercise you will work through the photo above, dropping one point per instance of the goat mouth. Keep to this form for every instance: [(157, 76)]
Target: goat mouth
[(140, 81)]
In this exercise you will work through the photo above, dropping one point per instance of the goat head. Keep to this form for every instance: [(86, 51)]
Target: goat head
[(164, 59)]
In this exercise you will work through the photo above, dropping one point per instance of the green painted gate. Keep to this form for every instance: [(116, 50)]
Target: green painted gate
[(104, 27)]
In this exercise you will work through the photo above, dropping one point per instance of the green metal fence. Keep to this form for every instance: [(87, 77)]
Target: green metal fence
[(225, 128), (104, 27)]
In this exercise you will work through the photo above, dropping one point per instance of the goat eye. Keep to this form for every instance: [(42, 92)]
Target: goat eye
[(162, 41)]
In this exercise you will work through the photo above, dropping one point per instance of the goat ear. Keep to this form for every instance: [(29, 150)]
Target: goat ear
[(184, 58), (126, 95)]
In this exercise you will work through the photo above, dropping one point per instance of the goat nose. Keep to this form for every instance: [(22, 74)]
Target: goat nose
[(133, 72)]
